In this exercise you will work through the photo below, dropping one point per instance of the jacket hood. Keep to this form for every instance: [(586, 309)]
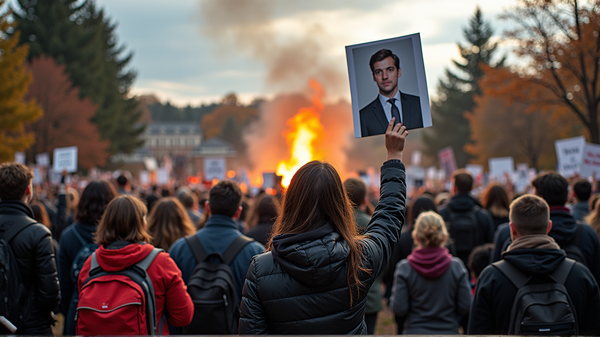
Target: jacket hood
[(120, 255), (314, 258), (535, 261), (462, 202), (564, 225), (431, 262)]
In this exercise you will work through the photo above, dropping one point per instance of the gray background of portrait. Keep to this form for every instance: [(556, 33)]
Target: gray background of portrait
[(367, 88)]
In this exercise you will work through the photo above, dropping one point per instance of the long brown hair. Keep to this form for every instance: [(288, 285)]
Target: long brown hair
[(495, 200), (123, 220), (168, 222), (315, 197)]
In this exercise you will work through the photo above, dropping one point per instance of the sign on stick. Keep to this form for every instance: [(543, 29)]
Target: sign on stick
[(65, 158), (569, 153)]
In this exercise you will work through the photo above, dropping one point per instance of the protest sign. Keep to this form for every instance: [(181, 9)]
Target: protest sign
[(569, 153), (431, 173), (521, 178), (38, 176), (65, 158), (269, 180), (150, 163), (162, 176), (43, 159), (367, 111), (144, 177), (214, 168), (501, 166), (415, 177), (590, 164), (475, 170), (20, 157), (415, 159), (447, 161)]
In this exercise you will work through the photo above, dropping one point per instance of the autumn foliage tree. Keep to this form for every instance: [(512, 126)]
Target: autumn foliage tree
[(560, 42), (15, 111), (67, 118)]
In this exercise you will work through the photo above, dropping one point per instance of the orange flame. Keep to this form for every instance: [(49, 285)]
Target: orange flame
[(304, 129)]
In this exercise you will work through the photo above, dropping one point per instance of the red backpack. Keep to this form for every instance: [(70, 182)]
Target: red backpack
[(118, 303)]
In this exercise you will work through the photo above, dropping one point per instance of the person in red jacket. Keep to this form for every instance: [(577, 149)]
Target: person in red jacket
[(123, 241)]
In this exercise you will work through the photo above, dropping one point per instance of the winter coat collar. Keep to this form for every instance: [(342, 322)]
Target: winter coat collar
[(15, 207), (535, 261), (220, 220), (431, 262), (314, 258), (462, 202)]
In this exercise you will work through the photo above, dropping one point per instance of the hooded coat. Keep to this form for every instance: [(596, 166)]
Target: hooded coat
[(171, 294), (431, 289), (490, 312), (564, 229), (301, 287)]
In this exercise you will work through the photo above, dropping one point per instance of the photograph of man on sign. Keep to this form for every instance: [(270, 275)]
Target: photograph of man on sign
[(395, 94)]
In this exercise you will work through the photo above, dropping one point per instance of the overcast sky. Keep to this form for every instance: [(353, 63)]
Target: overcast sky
[(192, 51)]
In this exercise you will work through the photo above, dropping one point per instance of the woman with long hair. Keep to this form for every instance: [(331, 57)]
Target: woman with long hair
[(495, 200), (123, 242), (317, 271), (168, 222), (93, 201), (431, 287)]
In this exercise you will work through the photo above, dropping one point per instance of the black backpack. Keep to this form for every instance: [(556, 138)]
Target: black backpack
[(541, 308), (12, 290), (212, 289), (464, 230)]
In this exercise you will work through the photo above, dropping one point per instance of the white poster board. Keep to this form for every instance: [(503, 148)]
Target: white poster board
[(162, 176), (269, 180), (415, 158), (214, 168), (501, 166), (569, 154), (20, 157), (447, 161), (43, 159), (521, 178), (38, 176), (475, 170), (590, 164), (144, 177), (150, 163), (65, 158)]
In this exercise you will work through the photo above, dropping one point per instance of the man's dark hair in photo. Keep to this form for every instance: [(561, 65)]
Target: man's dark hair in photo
[(463, 180), (122, 181), (14, 179), (356, 189), (225, 198), (382, 55), (552, 187)]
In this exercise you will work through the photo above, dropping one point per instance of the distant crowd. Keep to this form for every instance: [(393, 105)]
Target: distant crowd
[(324, 257)]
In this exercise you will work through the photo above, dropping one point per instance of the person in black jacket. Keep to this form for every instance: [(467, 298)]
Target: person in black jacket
[(91, 206), (536, 255), (33, 250), (317, 272)]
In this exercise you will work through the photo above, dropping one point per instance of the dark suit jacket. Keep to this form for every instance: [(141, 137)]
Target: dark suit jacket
[(374, 122)]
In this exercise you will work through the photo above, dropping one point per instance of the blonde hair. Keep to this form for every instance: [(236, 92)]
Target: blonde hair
[(430, 229)]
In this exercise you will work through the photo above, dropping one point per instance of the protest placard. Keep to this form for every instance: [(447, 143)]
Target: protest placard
[(20, 157), (144, 177), (269, 180), (569, 153), (43, 159), (65, 158), (501, 166), (415, 158), (38, 176), (409, 93), (150, 163), (162, 176), (590, 164), (214, 168), (521, 178), (447, 161)]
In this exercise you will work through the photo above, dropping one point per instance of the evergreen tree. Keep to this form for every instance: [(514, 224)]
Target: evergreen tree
[(456, 92), (15, 111), (77, 34)]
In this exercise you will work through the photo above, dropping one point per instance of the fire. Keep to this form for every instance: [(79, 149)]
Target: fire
[(304, 129)]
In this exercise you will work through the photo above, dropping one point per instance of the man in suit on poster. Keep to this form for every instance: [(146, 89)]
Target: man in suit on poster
[(390, 102)]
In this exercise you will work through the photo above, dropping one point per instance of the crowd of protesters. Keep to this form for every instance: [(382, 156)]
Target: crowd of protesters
[(318, 259)]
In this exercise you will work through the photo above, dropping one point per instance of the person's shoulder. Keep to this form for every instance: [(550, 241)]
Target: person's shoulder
[(255, 247), (370, 106), (177, 246), (408, 96)]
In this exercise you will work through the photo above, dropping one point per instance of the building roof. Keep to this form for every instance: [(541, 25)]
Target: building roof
[(214, 147), (172, 128)]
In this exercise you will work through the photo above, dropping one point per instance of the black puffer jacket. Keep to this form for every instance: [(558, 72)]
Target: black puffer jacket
[(35, 257), (300, 287)]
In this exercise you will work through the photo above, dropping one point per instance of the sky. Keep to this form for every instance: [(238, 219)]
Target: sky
[(197, 51)]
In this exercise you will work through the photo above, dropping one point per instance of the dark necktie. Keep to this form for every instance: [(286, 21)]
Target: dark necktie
[(395, 112)]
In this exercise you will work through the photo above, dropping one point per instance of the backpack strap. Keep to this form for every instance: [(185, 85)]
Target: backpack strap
[(79, 237), (197, 249), (15, 228), (235, 247), (143, 265), (512, 273), (563, 270)]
